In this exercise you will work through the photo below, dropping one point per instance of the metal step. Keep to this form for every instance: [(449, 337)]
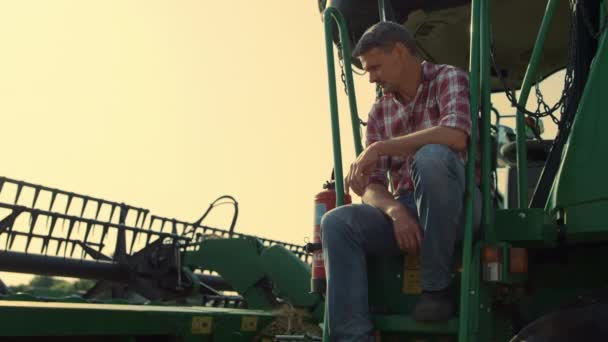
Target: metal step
[(407, 324)]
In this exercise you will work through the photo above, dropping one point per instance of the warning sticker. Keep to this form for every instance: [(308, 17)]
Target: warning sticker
[(249, 323), (202, 324), (411, 275)]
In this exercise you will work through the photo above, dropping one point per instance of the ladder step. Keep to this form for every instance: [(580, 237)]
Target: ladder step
[(407, 324)]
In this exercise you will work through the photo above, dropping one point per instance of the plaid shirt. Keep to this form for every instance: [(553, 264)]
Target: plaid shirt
[(442, 99)]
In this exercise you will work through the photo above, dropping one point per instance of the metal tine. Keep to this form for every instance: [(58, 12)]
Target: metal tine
[(19, 188), (142, 227), (174, 227), (33, 219), (99, 204), (67, 206), (145, 217), (132, 242), (85, 200), (112, 212), (137, 217), (36, 194), (58, 247), (162, 226), (45, 243), (73, 247), (135, 233), (87, 231), (11, 240), (53, 196), (7, 223), (2, 181), (106, 227), (149, 233), (70, 229)]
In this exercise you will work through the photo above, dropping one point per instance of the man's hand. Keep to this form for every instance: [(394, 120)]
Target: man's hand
[(407, 230), (358, 175)]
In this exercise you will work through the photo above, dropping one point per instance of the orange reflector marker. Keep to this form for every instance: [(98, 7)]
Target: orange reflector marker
[(491, 259), (491, 254), (518, 260)]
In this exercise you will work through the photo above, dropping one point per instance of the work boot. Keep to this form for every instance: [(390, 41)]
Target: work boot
[(434, 306)]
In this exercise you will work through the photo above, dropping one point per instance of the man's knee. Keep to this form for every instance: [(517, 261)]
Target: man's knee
[(334, 224), (436, 163), (433, 156)]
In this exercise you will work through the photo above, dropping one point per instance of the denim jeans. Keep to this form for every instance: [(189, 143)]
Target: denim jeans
[(352, 232)]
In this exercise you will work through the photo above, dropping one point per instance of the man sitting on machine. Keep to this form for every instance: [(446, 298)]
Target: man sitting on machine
[(418, 132)]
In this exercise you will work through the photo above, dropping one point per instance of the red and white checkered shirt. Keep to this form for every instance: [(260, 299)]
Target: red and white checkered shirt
[(442, 99)]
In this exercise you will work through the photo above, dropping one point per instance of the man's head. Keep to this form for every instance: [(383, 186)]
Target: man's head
[(388, 52)]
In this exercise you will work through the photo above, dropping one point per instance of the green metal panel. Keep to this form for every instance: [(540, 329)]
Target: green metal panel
[(238, 262), (479, 298), (70, 319), (291, 278), (580, 188), (386, 282), (406, 324), (584, 222), (528, 227)]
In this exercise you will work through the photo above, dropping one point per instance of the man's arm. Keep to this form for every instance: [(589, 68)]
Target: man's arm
[(360, 170), (406, 227), (454, 138)]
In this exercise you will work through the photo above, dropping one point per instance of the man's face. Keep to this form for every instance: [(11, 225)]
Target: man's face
[(384, 67)]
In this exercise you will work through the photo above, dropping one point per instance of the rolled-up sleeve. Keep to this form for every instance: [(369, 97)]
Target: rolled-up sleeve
[(453, 99), (375, 126)]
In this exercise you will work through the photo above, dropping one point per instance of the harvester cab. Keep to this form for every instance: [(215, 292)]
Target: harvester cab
[(534, 272)]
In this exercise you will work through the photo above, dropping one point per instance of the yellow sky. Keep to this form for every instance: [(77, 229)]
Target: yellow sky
[(169, 104)]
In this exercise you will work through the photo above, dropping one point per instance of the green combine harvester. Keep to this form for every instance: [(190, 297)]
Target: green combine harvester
[(157, 279), (535, 274)]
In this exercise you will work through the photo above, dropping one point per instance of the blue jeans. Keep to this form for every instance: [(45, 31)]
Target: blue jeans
[(352, 232)]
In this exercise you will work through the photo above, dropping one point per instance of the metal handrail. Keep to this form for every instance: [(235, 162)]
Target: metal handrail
[(331, 15), (467, 252), (529, 79)]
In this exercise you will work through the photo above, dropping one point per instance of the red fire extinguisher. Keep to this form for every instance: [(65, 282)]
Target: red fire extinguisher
[(324, 202)]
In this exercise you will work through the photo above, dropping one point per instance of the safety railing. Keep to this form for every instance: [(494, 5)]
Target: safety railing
[(479, 69), (332, 15), (474, 86)]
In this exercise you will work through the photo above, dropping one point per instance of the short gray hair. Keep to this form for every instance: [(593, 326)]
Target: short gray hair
[(385, 35)]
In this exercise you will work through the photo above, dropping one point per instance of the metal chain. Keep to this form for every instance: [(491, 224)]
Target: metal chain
[(548, 111), (341, 63), (343, 75), (510, 94), (540, 102)]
